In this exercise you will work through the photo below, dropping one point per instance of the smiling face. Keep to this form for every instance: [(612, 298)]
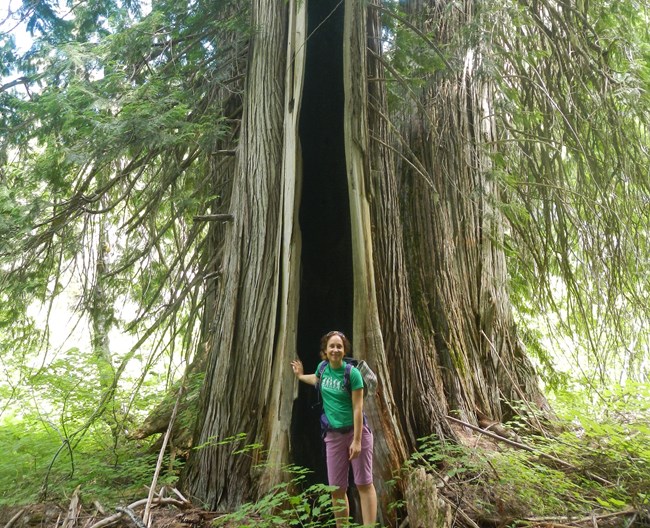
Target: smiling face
[(335, 350), (334, 346)]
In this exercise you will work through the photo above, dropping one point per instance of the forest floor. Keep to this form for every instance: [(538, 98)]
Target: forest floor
[(172, 514), (464, 500)]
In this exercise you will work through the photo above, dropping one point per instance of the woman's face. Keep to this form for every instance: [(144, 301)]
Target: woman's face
[(335, 350)]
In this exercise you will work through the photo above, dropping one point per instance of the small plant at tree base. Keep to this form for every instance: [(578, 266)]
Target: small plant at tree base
[(287, 504)]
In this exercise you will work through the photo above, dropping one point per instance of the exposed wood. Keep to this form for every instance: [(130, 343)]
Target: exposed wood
[(139, 523), (70, 520), (16, 516), (426, 508), (146, 517), (108, 521), (457, 511)]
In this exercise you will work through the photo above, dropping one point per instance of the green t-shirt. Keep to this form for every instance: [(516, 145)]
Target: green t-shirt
[(337, 401)]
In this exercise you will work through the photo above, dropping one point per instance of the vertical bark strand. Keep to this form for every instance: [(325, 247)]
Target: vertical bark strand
[(390, 449), (284, 389), (242, 354)]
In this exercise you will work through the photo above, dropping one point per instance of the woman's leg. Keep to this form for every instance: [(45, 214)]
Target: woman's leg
[(341, 507), (336, 446), (368, 498), (362, 469)]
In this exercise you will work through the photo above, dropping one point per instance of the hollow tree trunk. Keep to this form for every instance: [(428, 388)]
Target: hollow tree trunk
[(430, 307)]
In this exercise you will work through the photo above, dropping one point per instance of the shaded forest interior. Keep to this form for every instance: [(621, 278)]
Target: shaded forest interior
[(326, 260)]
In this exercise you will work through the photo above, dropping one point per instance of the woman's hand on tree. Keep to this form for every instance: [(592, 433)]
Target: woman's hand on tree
[(297, 367)]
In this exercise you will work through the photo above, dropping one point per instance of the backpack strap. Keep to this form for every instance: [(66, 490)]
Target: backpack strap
[(346, 377), (321, 368)]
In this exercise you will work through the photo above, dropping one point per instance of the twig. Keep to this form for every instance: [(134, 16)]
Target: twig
[(132, 515), (14, 518), (90, 520), (561, 522), (179, 495), (456, 509), (629, 511), (116, 517), (146, 518)]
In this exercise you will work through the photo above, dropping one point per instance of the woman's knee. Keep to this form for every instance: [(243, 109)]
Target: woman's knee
[(366, 488)]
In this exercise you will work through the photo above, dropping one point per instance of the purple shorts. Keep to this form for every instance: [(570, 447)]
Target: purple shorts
[(337, 447)]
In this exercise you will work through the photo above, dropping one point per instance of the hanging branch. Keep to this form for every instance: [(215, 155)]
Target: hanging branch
[(226, 217)]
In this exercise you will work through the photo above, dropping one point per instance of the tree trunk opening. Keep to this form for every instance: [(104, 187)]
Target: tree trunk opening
[(326, 285)]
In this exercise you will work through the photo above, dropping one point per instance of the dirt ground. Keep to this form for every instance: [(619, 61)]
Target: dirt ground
[(55, 516)]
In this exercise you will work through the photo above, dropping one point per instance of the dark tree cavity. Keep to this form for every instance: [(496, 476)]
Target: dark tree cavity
[(326, 263)]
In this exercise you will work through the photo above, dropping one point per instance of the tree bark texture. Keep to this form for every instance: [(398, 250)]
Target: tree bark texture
[(390, 448), (457, 269), (240, 367)]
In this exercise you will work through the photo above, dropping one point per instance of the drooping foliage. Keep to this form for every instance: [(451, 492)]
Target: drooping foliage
[(572, 93), (568, 92), (111, 130)]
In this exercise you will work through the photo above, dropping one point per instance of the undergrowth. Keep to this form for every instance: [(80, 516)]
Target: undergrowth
[(596, 461), (37, 465), (286, 504)]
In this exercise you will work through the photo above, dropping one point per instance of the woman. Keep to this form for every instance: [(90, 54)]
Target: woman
[(349, 440)]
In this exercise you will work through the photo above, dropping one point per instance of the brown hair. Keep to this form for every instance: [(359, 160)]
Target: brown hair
[(323, 342)]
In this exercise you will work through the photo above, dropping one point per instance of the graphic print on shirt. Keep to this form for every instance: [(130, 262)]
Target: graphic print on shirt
[(329, 383)]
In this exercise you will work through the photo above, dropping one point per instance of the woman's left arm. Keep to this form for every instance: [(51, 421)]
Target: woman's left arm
[(357, 413)]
